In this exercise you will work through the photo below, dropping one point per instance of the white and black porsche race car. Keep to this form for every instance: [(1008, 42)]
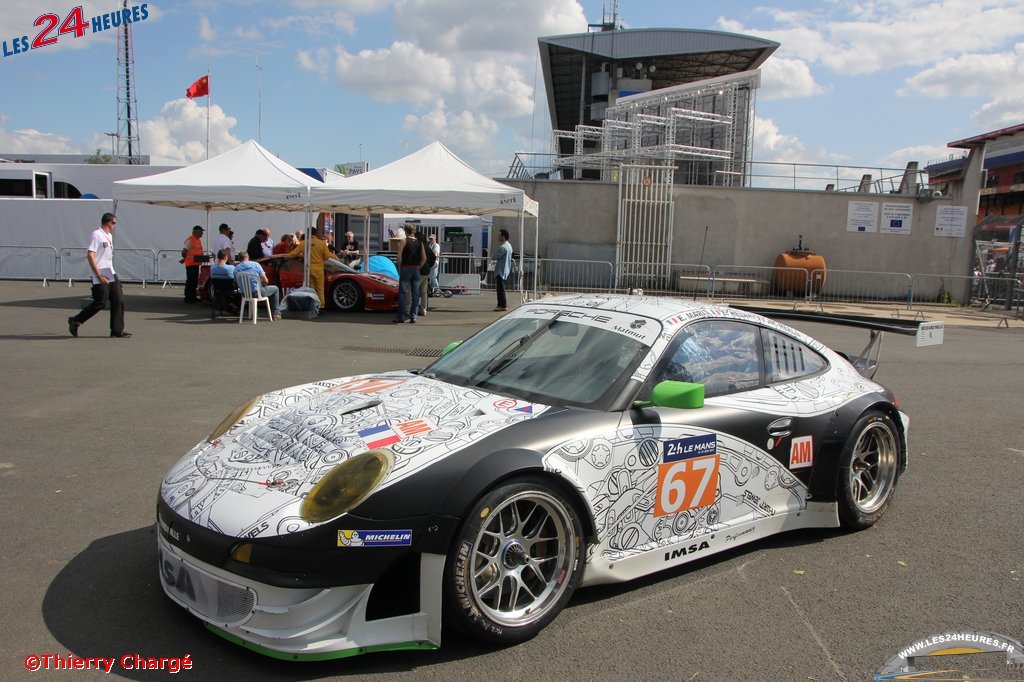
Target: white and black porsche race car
[(575, 441)]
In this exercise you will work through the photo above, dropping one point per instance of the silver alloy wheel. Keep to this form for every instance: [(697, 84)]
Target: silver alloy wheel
[(346, 295), (873, 468), (522, 558)]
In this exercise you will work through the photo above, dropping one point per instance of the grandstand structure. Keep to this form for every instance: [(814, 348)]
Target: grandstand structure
[(676, 97)]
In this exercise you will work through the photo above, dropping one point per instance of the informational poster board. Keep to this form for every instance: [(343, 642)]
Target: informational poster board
[(862, 216), (951, 221), (896, 218)]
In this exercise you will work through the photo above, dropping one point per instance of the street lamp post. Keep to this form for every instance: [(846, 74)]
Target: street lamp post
[(112, 136)]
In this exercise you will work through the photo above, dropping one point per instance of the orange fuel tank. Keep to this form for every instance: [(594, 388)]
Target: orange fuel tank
[(794, 267)]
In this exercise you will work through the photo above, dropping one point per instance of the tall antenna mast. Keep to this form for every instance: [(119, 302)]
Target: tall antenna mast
[(129, 149)]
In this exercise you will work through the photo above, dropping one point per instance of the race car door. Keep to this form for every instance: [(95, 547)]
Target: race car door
[(747, 454)]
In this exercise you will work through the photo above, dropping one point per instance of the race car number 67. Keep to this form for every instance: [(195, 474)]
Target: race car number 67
[(686, 484)]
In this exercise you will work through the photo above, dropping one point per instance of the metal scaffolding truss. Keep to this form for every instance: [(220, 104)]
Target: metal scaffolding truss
[(701, 128)]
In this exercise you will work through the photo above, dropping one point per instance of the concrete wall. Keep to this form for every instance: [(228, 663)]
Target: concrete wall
[(748, 227)]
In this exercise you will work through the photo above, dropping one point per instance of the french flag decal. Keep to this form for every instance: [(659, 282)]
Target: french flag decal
[(389, 434)]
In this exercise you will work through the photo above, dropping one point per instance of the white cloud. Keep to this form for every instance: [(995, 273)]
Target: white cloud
[(460, 26), (771, 144), (249, 33), (469, 134), (496, 88), (890, 34), (783, 78), (319, 26), (969, 74), (1002, 112), (178, 134), (451, 56), (206, 32), (30, 141), (317, 61), (403, 72), (923, 154)]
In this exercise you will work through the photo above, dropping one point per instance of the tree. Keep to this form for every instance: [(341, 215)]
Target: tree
[(99, 158)]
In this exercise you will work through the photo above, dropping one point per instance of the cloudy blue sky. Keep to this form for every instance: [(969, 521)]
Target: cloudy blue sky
[(855, 82)]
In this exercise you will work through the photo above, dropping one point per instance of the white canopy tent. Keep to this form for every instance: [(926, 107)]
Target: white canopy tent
[(431, 180), (247, 178)]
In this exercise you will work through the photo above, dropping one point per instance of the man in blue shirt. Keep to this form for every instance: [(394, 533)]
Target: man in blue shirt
[(221, 269), (266, 289), (502, 269)]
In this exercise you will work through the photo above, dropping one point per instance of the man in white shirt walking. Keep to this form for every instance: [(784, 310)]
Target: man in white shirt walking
[(106, 287)]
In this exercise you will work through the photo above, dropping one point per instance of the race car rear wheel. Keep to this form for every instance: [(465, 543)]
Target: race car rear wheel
[(515, 563), (868, 471), (346, 296)]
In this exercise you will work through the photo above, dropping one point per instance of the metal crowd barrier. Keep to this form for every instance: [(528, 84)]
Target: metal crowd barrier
[(132, 265), (461, 273), (74, 264), (43, 263), (168, 266), (557, 275), (860, 286), (466, 273)]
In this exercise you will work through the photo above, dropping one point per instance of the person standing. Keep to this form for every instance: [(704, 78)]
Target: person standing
[(190, 255), (255, 245), (106, 287), (318, 255), (411, 257), (502, 269), (286, 244), (435, 249), (268, 243), (224, 242)]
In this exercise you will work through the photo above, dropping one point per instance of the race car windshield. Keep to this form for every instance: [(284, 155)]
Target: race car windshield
[(555, 361)]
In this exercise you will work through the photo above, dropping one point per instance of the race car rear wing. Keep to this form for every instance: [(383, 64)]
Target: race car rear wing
[(866, 362)]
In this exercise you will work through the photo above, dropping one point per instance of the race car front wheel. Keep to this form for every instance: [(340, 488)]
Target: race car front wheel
[(868, 471), (515, 563), (347, 296)]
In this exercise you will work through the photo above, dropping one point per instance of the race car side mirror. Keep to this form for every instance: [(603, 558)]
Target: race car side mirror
[(450, 347), (680, 395)]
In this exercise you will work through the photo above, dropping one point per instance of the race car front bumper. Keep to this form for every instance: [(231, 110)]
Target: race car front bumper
[(299, 623)]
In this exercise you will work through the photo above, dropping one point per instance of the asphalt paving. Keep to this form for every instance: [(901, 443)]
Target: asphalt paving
[(91, 424)]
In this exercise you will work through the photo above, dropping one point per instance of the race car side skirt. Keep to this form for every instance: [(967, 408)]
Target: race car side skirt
[(322, 656), (602, 569)]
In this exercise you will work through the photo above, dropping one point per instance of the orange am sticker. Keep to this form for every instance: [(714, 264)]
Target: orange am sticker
[(801, 452), (686, 484)]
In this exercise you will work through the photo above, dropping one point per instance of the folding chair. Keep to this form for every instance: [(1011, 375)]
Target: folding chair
[(249, 285), (222, 293)]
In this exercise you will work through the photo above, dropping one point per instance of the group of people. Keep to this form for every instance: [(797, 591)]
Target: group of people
[(418, 269), (224, 269)]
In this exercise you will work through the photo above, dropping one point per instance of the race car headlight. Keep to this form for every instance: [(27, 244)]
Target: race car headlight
[(232, 419), (346, 485)]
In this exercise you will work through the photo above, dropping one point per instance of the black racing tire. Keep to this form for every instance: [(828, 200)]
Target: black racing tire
[(347, 296), (868, 471), (515, 562), (208, 288)]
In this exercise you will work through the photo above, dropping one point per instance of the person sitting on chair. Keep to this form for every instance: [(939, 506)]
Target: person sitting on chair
[(266, 288), (222, 290)]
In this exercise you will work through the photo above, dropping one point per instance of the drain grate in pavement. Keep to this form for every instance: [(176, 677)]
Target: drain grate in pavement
[(418, 352)]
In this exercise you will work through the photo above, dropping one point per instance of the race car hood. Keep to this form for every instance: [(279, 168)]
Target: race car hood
[(251, 480)]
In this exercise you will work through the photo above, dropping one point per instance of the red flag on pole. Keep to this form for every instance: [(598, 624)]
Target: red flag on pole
[(201, 88)]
